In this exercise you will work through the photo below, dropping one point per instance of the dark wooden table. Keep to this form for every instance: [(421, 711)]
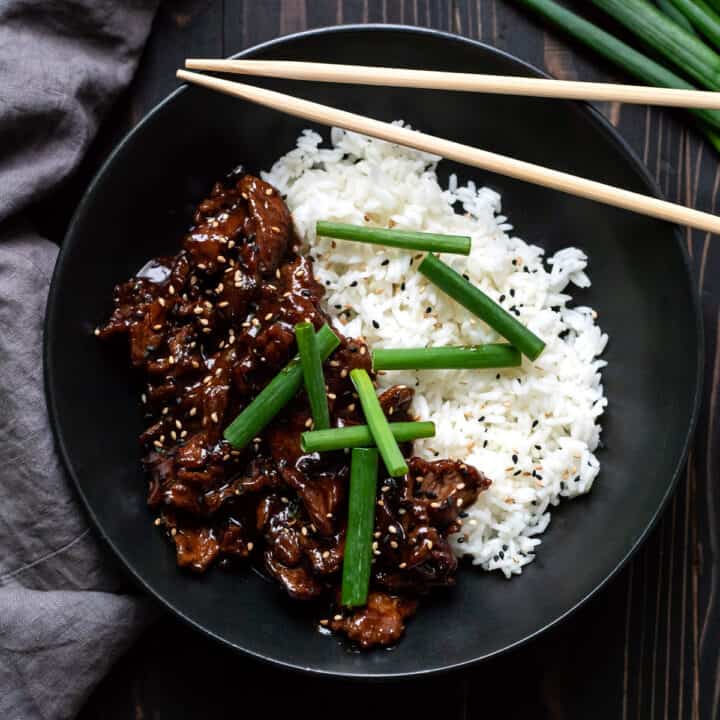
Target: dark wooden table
[(645, 647)]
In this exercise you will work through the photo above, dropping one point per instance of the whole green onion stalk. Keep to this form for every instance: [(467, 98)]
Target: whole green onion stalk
[(701, 16), (624, 56), (673, 42)]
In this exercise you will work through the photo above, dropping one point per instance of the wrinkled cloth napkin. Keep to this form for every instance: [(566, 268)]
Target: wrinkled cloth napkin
[(63, 619)]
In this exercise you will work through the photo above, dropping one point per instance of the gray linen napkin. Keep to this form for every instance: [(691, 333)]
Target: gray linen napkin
[(63, 619)]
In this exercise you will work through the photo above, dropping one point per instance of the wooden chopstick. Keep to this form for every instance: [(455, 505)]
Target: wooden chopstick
[(467, 82), (537, 174)]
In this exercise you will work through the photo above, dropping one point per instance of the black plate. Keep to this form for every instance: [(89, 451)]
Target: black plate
[(138, 206)]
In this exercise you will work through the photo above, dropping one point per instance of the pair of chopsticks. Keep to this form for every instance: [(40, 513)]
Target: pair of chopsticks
[(466, 154)]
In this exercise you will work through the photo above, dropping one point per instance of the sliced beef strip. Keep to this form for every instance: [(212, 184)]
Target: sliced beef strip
[(380, 623)]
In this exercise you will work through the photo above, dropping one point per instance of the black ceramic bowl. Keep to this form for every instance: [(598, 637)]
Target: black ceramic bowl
[(138, 206)]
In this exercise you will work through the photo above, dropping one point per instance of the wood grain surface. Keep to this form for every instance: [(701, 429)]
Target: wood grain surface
[(646, 646)]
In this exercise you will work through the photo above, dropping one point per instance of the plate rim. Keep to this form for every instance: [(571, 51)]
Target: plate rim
[(611, 134)]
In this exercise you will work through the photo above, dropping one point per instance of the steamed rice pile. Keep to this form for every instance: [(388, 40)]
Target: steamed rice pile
[(532, 430)]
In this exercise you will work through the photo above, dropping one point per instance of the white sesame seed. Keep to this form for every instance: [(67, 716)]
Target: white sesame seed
[(161, 302), (96, 331), (214, 417), (171, 289), (392, 529)]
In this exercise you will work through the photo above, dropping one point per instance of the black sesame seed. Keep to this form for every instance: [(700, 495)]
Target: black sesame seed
[(512, 292), (495, 558), (502, 555), (538, 476), (562, 486), (327, 282), (517, 472), (502, 298), (353, 283), (535, 423), (505, 547), (467, 277), (538, 447), (481, 418), (402, 286), (514, 458), (428, 309), (514, 262), (497, 377), (485, 442), (463, 515), (338, 307), (576, 479), (376, 324), (461, 540), (385, 262)]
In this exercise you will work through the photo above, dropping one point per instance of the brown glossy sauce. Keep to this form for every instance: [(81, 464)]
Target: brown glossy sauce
[(208, 328)]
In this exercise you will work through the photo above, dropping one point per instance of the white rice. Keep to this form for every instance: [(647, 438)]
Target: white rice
[(541, 418)]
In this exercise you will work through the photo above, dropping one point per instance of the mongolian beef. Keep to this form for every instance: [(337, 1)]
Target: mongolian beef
[(209, 328)]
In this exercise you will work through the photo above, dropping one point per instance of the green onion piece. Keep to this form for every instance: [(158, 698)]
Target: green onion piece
[(275, 395), (672, 12), (360, 524), (406, 239), (676, 45), (313, 374), (478, 303), (616, 51), (360, 436), (701, 16), (379, 426), (494, 355)]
